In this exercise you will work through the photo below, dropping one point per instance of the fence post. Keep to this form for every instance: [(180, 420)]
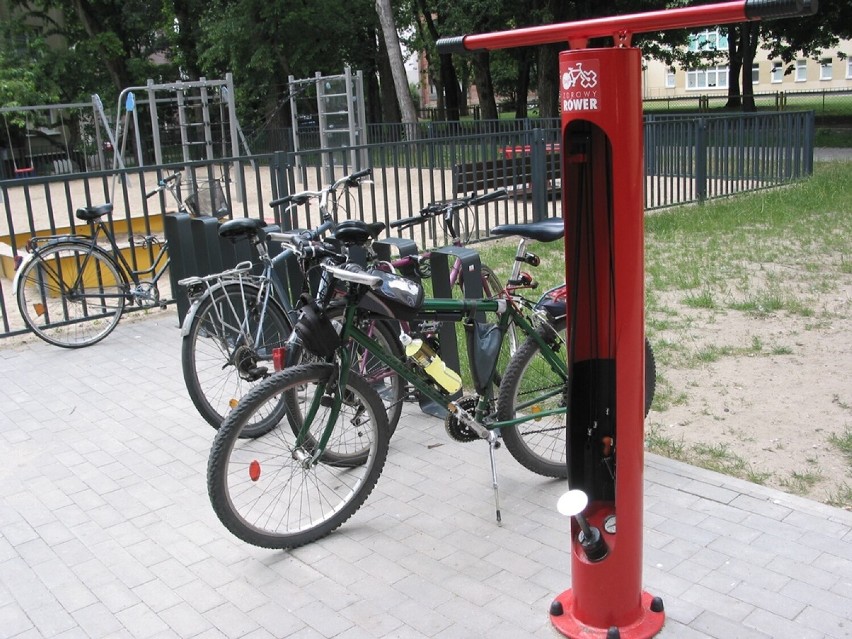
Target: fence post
[(281, 185), (538, 167), (810, 133), (701, 159)]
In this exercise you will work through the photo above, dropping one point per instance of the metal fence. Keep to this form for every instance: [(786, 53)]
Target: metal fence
[(821, 101), (687, 159)]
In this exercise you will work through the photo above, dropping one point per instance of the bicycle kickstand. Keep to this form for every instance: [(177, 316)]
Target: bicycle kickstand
[(493, 440), (492, 446)]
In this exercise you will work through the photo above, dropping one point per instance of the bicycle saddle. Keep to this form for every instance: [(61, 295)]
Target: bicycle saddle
[(89, 213), (543, 231), (351, 232), (241, 227)]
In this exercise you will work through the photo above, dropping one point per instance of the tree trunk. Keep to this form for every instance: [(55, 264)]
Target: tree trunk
[(400, 81), (548, 81), (484, 85), (749, 40), (448, 85), (735, 64), (522, 84), (186, 12), (389, 106)]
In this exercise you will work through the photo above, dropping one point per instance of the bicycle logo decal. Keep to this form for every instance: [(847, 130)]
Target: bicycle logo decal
[(580, 87)]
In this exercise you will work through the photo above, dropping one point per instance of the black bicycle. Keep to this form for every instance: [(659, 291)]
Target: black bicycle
[(72, 291)]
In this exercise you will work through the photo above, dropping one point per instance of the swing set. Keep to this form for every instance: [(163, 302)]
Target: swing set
[(28, 169)]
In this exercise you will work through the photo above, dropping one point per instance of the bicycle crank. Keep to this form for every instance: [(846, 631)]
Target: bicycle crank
[(457, 428)]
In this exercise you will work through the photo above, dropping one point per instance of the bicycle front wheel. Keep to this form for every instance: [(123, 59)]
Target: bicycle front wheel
[(228, 350), (277, 490), (71, 295)]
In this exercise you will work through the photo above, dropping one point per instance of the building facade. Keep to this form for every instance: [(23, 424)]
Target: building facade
[(830, 72)]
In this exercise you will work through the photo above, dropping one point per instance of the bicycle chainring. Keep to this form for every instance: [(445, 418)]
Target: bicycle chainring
[(457, 429), (146, 294)]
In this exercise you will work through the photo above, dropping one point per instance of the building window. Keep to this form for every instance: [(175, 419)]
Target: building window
[(825, 69), (708, 40), (849, 68), (710, 78), (755, 74), (801, 70), (670, 78), (777, 73)]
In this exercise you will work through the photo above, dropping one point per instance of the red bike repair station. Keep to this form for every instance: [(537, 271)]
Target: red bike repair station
[(602, 205)]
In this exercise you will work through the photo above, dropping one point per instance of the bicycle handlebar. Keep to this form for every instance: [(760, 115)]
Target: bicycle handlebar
[(307, 244), (161, 184), (449, 206), (303, 197)]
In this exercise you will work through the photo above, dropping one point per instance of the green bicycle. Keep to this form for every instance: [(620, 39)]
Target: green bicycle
[(318, 464)]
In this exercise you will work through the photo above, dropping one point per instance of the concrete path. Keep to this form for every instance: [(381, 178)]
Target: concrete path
[(106, 529)]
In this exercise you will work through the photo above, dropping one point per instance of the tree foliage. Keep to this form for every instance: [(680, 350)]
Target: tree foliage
[(65, 50)]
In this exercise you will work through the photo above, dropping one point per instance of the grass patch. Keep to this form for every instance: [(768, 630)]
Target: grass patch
[(838, 138), (841, 497), (843, 443), (716, 457), (801, 483)]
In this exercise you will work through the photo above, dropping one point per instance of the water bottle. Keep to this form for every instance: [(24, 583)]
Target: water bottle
[(422, 353)]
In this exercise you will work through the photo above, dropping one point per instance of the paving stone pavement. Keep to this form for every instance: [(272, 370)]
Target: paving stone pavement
[(106, 529)]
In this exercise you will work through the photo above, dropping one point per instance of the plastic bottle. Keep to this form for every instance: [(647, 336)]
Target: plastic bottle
[(422, 353)]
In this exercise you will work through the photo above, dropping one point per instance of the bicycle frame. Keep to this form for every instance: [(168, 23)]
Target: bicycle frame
[(432, 309)]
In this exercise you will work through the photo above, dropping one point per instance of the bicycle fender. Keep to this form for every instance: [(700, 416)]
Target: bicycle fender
[(190, 315), (195, 303), (26, 258)]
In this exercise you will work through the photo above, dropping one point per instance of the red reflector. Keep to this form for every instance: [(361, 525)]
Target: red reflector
[(254, 470), (278, 356)]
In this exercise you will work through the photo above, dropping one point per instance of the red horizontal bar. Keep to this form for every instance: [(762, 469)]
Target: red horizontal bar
[(686, 17), (621, 28)]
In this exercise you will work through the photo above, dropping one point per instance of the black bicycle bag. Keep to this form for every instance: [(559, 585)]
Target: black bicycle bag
[(483, 349), (397, 298)]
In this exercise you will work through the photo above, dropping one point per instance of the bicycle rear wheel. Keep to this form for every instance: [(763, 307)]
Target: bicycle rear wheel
[(71, 295), (275, 492), (531, 385), (389, 385), (227, 350)]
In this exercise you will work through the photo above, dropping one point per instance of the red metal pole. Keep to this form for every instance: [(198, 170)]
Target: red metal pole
[(603, 209)]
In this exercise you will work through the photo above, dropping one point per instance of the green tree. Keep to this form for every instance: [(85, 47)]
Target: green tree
[(24, 65), (786, 39), (98, 46)]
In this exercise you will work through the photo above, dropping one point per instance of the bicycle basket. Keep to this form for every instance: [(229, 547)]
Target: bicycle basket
[(208, 198)]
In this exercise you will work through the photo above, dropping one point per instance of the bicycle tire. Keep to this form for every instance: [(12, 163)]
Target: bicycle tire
[(540, 445), (220, 364), (64, 317), (264, 492)]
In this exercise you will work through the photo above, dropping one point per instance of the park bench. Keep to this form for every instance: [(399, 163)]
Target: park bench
[(513, 172)]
